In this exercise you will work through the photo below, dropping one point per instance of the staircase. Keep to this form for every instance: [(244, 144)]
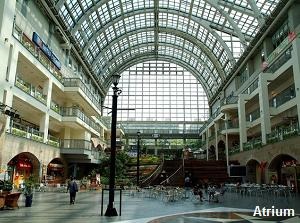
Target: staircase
[(200, 171), (214, 171)]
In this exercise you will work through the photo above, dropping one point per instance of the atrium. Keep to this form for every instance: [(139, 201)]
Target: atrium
[(149, 96)]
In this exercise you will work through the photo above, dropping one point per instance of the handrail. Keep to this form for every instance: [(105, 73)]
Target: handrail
[(173, 174), (154, 174)]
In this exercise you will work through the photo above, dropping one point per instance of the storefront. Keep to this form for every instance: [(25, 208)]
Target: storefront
[(55, 172), (22, 169)]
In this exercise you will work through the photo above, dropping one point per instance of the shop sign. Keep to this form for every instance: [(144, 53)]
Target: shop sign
[(24, 165)]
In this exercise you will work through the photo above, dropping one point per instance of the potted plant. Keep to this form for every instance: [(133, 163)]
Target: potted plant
[(28, 190)]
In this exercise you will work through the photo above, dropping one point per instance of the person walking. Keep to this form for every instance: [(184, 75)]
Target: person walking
[(72, 188)]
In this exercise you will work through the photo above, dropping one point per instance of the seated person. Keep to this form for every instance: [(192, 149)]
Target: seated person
[(198, 192)]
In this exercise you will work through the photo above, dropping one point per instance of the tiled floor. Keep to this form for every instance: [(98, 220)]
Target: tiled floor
[(55, 208)]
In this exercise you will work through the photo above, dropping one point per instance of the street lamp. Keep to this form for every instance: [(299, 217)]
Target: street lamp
[(111, 211), (138, 160)]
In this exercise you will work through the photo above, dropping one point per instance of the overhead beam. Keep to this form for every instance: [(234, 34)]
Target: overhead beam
[(174, 32)]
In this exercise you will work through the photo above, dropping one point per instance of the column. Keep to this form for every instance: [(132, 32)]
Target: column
[(8, 99), (7, 9), (6, 27), (207, 149), (44, 126), (242, 119), (265, 122), (216, 126), (47, 90), (296, 72), (226, 140), (294, 16)]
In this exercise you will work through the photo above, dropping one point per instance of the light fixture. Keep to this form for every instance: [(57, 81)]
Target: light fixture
[(115, 79)]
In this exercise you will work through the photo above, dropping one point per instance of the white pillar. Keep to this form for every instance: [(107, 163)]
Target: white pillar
[(226, 140), (44, 126), (242, 119), (296, 72), (207, 149), (7, 9), (264, 106), (47, 90), (216, 126)]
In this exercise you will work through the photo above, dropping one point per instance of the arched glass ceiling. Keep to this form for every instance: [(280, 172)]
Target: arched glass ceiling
[(204, 36)]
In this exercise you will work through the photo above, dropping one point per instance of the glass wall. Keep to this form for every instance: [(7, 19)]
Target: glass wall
[(160, 91)]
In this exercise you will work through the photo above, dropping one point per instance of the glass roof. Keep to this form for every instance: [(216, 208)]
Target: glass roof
[(206, 37)]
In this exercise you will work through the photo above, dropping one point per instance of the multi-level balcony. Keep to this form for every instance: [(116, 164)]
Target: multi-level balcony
[(231, 128), (31, 133), (283, 101), (252, 118), (79, 151), (75, 115), (229, 103), (81, 94), (30, 89), (36, 52)]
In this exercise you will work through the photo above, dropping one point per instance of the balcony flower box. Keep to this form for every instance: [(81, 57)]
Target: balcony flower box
[(37, 138), (41, 98), (53, 143), (23, 87), (18, 132)]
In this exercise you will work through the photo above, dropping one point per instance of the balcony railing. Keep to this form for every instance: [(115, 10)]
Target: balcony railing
[(76, 144), (53, 141), (24, 131), (283, 97), (36, 52), (253, 115), (230, 125), (280, 61), (252, 144), (229, 100), (76, 82), (31, 90), (55, 107), (234, 150), (71, 112)]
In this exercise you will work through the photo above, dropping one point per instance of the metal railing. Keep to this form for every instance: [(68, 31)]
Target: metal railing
[(233, 150), (229, 100), (276, 64), (76, 112), (283, 97), (36, 52), (30, 89), (253, 115), (24, 131), (254, 143), (76, 82), (53, 141), (55, 107), (75, 144)]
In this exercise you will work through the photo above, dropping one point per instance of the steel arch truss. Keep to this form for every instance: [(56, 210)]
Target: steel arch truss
[(204, 36)]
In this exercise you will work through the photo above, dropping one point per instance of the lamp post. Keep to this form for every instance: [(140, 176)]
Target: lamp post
[(138, 160), (111, 210)]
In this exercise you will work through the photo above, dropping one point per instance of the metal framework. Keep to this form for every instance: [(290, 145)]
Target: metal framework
[(205, 36)]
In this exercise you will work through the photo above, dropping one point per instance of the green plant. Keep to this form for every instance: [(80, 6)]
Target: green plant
[(6, 185), (104, 180), (37, 138), (29, 185), (19, 132), (53, 143)]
